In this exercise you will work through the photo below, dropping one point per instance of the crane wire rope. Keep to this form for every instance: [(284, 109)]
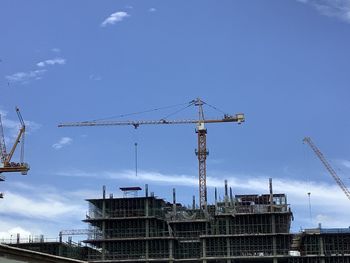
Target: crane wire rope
[(139, 112), (309, 186), (215, 108), (177, 111)]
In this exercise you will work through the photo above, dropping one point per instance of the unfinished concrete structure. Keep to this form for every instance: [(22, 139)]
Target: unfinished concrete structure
[(240, 228)]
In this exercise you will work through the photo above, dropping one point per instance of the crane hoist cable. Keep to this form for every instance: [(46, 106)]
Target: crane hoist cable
[(140, 112)]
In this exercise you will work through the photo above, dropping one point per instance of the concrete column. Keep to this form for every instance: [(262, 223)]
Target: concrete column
[(274, 245), (271, 195), (228, 248), (146, 207), (103, 252), (273, 223), (174, 202), (226, 195), (321, 249), (204, 251), (171, 251), (147, 250)]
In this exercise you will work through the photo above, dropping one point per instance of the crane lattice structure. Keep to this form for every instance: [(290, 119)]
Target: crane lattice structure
[(328, 166), (201, 131), (8, 165)]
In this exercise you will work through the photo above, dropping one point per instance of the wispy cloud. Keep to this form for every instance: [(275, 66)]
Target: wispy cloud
[(327, 199), (40, 209), (64, 141), (58, 61), (332, 8), (25, 77), (152, 9), (95, 77), (43, 206), (114, 18), (345, 163), (56, 50), (11, 127)]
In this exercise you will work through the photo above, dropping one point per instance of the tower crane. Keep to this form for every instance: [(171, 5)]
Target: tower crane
[(328, 166), (201, 131), (8, 165)]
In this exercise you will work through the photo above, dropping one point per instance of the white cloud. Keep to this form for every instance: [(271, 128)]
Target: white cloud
[(42, 206), (13, 231), (56, 50), (95, 77), (152, 9), (40, 209), (114, 18), (345, 163), (328, 201), (332, 8), (64, 141), (11, 127), (25, 77), (58, 61)]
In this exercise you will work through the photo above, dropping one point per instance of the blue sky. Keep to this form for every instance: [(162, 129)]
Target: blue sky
[(282, 63)]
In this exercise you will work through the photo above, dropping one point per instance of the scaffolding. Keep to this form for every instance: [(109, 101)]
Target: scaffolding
[(239, 229), (149, 228)]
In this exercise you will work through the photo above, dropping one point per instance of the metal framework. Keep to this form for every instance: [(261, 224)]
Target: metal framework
[(201, 152), (9, 166), (328, 166), (239, 229), (148, 229)]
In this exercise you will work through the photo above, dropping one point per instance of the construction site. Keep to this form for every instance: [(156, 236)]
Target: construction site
[(142, 227), (240, 228)]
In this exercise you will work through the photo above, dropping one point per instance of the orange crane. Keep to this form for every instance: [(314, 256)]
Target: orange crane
[(328, 166), (201, 131), (9, 166)]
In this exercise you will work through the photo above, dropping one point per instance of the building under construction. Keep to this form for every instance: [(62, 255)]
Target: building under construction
[(240, 228)]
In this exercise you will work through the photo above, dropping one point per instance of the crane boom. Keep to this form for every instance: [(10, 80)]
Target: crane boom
[(237, 118), (3, 151), (201, 152), (328, 166)]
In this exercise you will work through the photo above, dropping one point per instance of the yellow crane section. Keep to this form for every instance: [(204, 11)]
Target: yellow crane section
[(201, 152), (8, 165)]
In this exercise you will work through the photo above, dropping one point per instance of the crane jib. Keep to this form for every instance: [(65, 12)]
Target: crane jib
[(150, 122)]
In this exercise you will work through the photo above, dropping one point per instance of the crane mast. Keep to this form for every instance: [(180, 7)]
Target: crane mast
[(201, 131), (327, 166), (202, 153)]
